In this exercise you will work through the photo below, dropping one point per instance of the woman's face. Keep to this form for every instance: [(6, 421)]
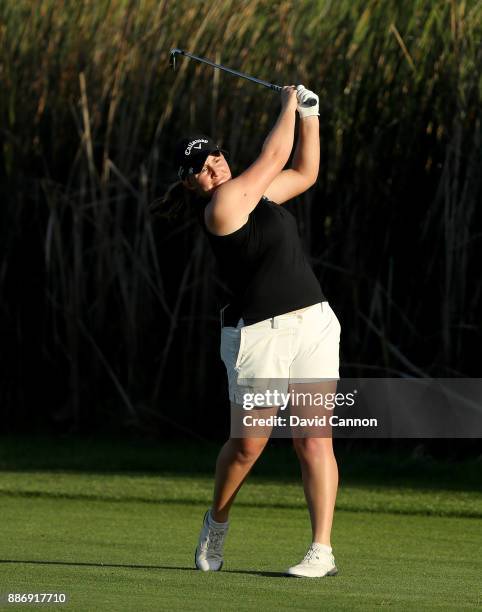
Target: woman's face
[(214, 172)]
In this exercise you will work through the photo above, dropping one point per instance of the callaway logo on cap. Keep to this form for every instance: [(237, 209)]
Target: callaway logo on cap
[(195, 144), (191, 153)]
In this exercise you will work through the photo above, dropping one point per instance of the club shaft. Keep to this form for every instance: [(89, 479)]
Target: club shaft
[(230, 70), (278, 88)]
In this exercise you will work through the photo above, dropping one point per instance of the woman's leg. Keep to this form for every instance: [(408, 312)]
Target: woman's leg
[(319, 469), (234, 462)]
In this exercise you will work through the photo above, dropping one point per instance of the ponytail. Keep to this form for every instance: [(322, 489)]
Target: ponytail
[(176, 201), (168, 206)]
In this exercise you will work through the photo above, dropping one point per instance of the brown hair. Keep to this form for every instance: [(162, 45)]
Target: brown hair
[(176, 200)]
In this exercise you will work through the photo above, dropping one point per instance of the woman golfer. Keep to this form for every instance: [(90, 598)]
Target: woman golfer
[(278, 324)]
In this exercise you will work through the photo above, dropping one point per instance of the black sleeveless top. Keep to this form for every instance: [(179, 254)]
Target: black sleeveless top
[(264, 266)]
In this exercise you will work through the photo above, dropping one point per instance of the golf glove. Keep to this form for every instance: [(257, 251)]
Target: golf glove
[(304, 94)]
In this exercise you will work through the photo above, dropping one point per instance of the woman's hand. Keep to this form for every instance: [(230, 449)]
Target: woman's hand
[(303, 95), (289, 99)]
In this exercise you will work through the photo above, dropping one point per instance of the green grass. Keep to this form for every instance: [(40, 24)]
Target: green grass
[(259, 492), (396, 466), (114, 523), (125, 555)]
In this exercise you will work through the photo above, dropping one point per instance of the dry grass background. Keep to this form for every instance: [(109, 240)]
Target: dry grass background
[(109, 315)]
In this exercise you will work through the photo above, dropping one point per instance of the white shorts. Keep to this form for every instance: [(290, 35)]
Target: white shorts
[(299, 346)]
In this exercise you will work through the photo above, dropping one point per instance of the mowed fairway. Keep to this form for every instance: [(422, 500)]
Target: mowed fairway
[(126, 542)]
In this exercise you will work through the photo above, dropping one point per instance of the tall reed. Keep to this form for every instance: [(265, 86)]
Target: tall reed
[(110, 316)]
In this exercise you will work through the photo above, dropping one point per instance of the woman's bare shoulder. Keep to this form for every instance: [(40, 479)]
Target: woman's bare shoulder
[(222, 225)]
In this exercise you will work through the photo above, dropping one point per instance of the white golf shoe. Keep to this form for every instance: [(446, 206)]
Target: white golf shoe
[(209, 551), (318, 562)]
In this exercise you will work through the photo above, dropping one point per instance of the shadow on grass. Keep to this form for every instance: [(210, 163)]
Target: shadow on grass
[(359, 465), (132, 566)]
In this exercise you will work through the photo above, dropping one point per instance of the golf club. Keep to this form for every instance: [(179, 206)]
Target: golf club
[(172, 62)]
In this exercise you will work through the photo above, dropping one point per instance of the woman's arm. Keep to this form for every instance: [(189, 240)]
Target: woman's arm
[(305, 166), (304, 169), (279, 141), (236, 198), (306, 160)]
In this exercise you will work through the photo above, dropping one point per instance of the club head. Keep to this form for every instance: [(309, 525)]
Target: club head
[(172, 57)]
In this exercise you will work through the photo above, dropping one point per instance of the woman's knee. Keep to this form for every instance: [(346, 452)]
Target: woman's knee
[(248, 449), (313, 448)]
